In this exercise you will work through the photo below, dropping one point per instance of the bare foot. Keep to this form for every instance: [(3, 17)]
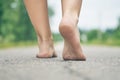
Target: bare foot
[(72, 48), (46, 49)]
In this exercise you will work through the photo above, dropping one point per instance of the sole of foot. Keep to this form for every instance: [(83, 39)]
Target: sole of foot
[(72, 49)]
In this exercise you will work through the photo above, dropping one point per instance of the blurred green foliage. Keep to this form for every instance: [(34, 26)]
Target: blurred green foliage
[(15, 24), (108, 37), (16, 28), (57, 37)]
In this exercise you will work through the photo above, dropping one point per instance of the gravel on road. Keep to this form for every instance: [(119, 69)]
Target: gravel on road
[(103, 63)]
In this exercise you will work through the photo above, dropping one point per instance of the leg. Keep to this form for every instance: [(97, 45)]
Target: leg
[(38, 13), (69, 31)]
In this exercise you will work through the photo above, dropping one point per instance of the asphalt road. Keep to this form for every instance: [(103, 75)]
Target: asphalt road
[(103, 63)]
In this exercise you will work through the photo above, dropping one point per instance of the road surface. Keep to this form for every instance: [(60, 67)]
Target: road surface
[(103, 63)]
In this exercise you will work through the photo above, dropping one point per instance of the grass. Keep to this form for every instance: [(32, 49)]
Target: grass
[(17, 44), (56, 37), (109, 42), (20, 44)]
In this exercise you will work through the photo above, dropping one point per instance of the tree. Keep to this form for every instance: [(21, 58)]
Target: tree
[(15, 24), (92, 34)]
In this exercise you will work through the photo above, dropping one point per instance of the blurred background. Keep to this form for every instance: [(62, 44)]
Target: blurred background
[(99, 23)]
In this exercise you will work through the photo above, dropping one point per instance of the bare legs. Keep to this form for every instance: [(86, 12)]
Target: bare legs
[(68, 29), (38, 12)]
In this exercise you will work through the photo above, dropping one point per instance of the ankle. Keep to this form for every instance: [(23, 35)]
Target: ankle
[(71, 16), (46, 39), (69, 19)]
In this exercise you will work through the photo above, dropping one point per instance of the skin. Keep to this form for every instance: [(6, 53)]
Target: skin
[(38, 13)]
